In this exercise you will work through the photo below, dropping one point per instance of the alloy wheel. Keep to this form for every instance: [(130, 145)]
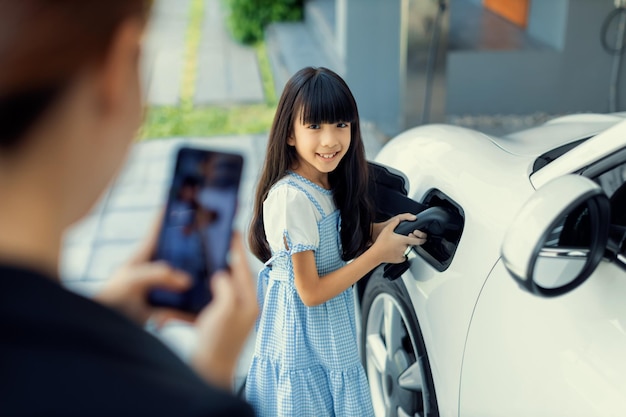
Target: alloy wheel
[(393, 365)]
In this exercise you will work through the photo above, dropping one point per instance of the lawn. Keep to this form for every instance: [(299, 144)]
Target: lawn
[(188, 120)]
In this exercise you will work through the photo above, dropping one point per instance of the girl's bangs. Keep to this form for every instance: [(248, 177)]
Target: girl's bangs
[(325, 100)]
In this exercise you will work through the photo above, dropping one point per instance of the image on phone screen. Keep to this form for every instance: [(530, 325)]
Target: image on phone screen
[(197, 225)]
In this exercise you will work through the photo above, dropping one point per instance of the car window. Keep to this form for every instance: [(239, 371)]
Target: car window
[(613, 182), (613, 179)]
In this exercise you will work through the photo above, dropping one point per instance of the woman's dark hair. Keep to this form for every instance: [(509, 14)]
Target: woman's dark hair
[(43, 45), (318, 95)]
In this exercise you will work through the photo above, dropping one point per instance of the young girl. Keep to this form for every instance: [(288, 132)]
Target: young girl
[(311, 215)]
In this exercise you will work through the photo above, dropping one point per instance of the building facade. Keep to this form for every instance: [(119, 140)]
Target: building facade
[(417, 61)]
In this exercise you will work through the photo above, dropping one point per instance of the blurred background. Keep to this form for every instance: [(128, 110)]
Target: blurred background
[(218, 66)]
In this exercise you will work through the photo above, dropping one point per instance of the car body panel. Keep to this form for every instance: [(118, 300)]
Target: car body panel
[(600, 146), (538, 140), (489, 178), (558, 131), (445, 301), (587, 118), (528, 355)]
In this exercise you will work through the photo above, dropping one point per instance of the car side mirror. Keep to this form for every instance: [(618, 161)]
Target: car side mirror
[(559, 236)]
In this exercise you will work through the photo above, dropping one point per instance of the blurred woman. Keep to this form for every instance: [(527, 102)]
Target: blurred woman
[(69, 108)]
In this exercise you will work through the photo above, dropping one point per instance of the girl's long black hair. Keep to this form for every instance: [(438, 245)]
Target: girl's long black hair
[(318, 95)]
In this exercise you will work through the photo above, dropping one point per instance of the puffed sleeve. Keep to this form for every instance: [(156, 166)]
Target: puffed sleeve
[(289, 216)]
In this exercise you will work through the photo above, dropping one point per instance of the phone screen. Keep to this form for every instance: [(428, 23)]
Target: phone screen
[(197, 226)]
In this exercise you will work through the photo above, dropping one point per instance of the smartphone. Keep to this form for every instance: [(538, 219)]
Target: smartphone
[(197, 226)]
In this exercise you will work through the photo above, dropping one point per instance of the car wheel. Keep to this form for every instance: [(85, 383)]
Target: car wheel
[(395, 358)]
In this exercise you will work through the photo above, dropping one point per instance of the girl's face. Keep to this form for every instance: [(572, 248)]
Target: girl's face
[(320, 147)]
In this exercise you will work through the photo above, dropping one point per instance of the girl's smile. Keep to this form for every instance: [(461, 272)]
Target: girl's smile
[(328, 156)]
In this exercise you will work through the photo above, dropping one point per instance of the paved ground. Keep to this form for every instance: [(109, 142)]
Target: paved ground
[(164, 49), (227, 73)]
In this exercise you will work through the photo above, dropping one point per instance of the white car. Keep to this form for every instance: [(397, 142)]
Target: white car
[(516, 306)]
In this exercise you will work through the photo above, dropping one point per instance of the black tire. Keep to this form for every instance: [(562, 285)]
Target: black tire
[(405, 351)]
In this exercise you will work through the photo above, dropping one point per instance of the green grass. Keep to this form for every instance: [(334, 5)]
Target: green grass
[(188, 120)]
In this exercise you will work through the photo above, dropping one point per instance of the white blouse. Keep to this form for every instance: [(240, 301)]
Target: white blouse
[(288, 211)]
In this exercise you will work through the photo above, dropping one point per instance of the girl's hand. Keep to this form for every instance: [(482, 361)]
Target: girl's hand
[(224, 325), (390, 247), (378, 227)]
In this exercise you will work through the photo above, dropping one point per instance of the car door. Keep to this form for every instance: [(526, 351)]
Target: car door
[(560, 356)]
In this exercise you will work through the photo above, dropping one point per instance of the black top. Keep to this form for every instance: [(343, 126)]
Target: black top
[(62, 354)]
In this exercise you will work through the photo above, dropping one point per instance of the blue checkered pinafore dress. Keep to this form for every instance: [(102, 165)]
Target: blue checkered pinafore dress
[(306, 360)]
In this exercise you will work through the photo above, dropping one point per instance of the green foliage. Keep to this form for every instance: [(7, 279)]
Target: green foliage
[(169, 121), (248, 18)]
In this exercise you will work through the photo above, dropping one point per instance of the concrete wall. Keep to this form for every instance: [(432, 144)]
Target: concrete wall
[(547, 22), (373, 52), (555, 66), (562, 69)]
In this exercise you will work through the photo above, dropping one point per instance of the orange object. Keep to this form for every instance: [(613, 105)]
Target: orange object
[(515, 11)]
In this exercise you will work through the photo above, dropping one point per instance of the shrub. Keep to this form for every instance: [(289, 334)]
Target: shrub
[(248, 18)]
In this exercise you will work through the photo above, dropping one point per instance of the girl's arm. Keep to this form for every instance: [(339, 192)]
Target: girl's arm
[(378, 227), (314, 290)]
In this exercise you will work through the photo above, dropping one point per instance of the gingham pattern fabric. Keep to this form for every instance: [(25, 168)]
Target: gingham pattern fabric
[(306, 360)]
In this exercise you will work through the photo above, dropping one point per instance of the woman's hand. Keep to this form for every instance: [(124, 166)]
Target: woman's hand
[(391, 247), (127, 290), (224, 325)]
